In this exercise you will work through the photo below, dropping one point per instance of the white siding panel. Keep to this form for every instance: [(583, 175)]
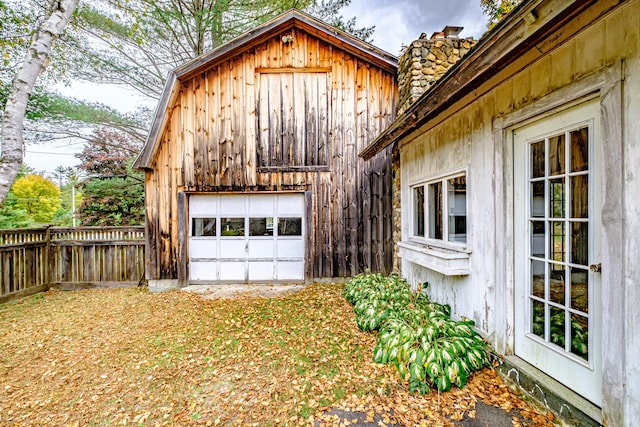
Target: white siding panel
[(261, 249), (232, 271), (203, 270), (290, 248), (290, 270)]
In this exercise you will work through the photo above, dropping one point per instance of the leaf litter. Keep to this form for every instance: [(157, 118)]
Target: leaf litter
[(130, 357)]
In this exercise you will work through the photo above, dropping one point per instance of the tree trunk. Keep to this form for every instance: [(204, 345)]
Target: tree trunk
[(21, 87)]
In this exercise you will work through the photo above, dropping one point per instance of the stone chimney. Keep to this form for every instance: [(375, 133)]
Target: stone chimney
[(425, 61)]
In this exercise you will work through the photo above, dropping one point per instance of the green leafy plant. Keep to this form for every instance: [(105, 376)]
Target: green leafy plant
[(374, 297), (416, 336)]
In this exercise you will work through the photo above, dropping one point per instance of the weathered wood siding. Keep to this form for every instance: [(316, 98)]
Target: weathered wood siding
[(282, 117), (23, 263), (86, 256)]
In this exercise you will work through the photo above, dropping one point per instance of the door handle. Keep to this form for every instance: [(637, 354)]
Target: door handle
[(596, 268)]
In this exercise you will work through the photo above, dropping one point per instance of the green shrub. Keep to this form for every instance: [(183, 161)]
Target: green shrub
[(416, 336), (374, 297)]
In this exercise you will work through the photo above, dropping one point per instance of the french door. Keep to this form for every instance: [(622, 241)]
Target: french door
[(557, 204)]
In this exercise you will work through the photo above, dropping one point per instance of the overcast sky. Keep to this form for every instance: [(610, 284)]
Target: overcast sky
[(397, 23)]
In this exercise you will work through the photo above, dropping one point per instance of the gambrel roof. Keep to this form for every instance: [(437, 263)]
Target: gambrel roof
[(290, 19)]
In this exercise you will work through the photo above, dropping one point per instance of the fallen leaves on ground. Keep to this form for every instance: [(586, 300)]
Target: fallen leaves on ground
[(128, 357)]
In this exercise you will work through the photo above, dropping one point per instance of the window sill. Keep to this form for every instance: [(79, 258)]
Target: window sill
[(450, 262)]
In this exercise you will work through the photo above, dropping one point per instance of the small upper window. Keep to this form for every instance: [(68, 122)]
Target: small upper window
[(232, 227), (203, 227), (290, 226), (443, 211)]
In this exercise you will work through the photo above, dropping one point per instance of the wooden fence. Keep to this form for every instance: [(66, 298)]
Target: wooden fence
[(35, 259)]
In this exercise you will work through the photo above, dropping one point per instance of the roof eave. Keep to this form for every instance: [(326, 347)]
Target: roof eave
[(289, 18), (147, 154), (497, 49)]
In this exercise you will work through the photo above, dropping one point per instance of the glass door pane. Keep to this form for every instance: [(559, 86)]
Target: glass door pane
[(559, 235)]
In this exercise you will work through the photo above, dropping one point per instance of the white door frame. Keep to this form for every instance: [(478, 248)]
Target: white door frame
[(583, 376)]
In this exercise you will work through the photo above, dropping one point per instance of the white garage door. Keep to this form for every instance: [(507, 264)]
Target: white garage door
[(246, 238)]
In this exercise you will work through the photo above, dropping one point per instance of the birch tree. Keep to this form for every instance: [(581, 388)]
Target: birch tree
[(35, 62)]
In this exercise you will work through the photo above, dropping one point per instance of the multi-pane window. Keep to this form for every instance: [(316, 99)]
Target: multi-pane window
[(559, 286), (236, 227), (440, 209), (260, 226)]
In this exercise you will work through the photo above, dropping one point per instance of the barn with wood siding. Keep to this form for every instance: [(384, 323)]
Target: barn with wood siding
[(252, 167)]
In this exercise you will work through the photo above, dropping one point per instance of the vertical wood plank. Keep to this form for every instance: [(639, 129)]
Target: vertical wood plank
[(287, 117), (188, 132), (264, 152), (238, 124), (299, 119), (287, 50), (310, 237), (213, 147), (309, 143), (300, 49), (274, 55), (326, 240), (366, 110), (250, 119), (200, 137), (276, 114), (225, 154)]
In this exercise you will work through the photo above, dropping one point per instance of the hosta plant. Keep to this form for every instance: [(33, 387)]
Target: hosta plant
[(374, 297), (416, 336)]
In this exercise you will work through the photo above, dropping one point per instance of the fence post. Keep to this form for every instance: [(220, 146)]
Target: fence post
[(47, 255)]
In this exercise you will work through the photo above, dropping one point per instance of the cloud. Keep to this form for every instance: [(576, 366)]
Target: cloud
[(400, 22)]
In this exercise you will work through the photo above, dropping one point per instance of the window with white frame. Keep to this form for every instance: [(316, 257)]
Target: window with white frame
[(440, 209)]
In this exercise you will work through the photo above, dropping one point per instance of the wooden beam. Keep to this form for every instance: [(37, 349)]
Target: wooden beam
[(182, 254), (265, 70)]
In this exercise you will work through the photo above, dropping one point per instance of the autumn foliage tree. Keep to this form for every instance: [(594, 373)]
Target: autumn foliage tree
[(108, 153), (37, 196), (113, 194), (497, 9)]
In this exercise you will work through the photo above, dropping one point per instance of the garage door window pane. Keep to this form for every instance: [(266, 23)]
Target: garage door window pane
[(260, 226), (290, 226), (203, 227), (232, 226)]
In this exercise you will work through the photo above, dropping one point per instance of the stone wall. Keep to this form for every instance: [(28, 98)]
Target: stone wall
[(425, 61), (396, 207)]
